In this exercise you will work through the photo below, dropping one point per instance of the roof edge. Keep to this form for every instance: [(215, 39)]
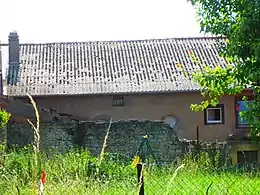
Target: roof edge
[(111, 94), (132, 40)]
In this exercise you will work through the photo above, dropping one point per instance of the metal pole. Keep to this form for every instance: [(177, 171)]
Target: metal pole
[(140, 179), (198, 134)]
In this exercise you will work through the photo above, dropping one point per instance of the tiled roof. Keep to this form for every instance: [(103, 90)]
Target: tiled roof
[(110, 66)]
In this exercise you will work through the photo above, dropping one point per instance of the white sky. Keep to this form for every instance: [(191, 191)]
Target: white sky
[(85, 20)]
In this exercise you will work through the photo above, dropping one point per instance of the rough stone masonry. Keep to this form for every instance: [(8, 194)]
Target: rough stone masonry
[(124, 136)]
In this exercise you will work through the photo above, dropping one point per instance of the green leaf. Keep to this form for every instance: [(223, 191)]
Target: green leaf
[(240, 22)]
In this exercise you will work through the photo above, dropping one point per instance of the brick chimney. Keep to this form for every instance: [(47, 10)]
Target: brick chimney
[(14, 59)]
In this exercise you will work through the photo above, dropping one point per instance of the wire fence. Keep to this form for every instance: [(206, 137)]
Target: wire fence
[(184, 179), (78, 172), (192, 180)]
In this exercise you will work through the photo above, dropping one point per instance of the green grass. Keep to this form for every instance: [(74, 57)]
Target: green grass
[(189, 182), (78, 172)]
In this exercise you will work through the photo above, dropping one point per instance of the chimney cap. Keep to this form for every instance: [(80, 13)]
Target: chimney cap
[(13, 35)]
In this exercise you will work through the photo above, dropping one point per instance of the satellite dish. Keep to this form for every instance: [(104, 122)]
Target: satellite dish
[(174, 123), (101, 118), (170, 120)]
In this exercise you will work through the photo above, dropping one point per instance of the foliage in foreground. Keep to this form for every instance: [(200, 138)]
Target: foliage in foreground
[(4, 117), (17, 168), (239, 21), (78, 172)]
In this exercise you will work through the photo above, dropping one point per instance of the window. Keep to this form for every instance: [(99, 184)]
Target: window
[(118, 100), (214, 115), (245, 157), (240, 106)]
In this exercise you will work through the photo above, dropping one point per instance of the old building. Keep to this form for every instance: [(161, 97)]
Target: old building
[(139, 79)]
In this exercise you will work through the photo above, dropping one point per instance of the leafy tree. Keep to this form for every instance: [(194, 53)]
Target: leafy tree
[(239, 21)]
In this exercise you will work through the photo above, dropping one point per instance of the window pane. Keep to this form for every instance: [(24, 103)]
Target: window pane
[(214, 114), (241, 106)]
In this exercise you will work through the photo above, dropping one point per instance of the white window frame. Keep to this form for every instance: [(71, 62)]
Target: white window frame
[(214, 121)]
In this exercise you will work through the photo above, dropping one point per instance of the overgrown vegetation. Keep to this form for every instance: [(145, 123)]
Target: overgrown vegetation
[(75, 172), (239, 21)]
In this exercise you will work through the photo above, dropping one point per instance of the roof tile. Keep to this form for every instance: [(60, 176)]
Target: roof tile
[(111, 66)]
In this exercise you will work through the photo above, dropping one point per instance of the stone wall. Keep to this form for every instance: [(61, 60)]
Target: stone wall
[(124, 136), (52, 135)]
